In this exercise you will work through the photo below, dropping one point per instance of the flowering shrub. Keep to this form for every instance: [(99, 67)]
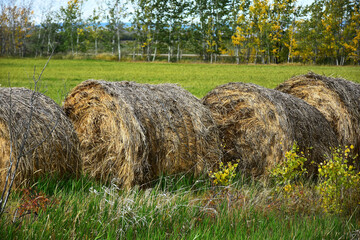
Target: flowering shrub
[(339, 183), (288, 173), (225, 175)]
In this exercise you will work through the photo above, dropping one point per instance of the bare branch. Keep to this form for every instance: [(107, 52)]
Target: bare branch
[(12, 170)]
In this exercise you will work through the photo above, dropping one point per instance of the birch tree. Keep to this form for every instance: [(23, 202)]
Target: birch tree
[(336, 16), (242, 30), (15, 23), (94, 22), (70, 15), (117, 11), (143, 25), (260, 28)]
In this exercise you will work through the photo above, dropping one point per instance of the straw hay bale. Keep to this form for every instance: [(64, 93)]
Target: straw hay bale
[(131, 133), (51, 146), (258, 125), (337, 99)]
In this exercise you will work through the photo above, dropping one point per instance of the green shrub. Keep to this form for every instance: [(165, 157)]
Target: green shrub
[(339, 183)]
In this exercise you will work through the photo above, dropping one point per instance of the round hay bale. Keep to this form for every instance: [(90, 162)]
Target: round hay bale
[(258, 125), (50, 145), (131, 133), (337, 99)]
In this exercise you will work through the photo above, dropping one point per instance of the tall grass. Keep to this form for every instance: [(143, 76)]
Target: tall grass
[(174, 208)]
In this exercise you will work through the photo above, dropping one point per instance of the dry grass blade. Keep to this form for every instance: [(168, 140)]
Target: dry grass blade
[(337, 99), (50, 146), (259, 125), (134, 132)]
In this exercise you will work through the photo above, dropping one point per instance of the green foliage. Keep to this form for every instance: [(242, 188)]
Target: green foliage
[(72, 27), (327, 31), (289, 173), (339, 182), (225, 175)]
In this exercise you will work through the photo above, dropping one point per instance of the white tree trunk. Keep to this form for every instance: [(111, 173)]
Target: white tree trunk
[(77, 43), (96, 48), (155, 51), (119, 47), (49, 44), (215, 54), (178, 53), (134, 52), (148, 52), (237, 54), (169, 54), (113, 46)]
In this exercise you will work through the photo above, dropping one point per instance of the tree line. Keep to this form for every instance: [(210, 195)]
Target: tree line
[(241, 31)]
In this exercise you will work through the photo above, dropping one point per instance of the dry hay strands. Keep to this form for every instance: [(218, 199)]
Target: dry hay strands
[(337, 99), (131, 133), (258, 126), (35, 122)]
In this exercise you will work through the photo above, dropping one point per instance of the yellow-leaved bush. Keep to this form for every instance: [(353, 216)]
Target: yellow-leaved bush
[(339, 182), (225, 175), (289, 173)]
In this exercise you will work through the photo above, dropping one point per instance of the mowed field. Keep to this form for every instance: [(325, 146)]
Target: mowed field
[(174, 207), (62, 75)]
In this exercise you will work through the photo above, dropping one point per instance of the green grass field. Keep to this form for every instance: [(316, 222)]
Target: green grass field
[(62, 75), (176, 207)]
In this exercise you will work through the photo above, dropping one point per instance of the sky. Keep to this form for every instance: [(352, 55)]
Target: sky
[(40, 5)]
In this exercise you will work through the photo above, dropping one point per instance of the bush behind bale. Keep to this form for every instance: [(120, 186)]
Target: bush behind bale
[(258, 125), (337, 99), (131, 133), (51, 145)]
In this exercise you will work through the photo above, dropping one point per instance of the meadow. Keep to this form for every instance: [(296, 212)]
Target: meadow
[(62, 75), (174, 207)]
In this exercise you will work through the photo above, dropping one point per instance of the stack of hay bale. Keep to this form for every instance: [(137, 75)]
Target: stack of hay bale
[(131, 133)]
